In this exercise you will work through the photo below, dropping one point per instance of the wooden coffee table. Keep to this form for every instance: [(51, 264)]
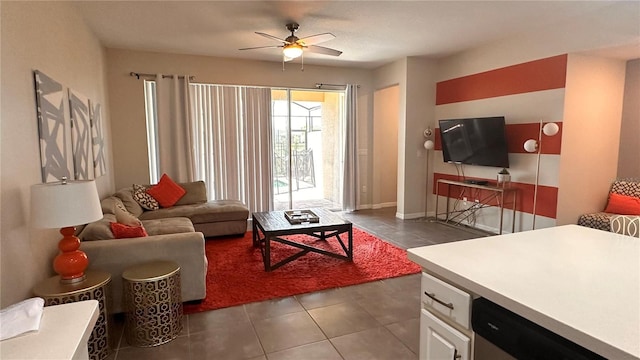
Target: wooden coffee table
[(272, 225)]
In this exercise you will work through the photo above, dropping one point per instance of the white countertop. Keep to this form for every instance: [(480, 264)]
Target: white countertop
[(580, 283), (63, 334)]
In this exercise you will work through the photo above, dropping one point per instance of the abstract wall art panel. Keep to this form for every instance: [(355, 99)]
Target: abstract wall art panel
[(81, 136), (97, 139), (50, 107)]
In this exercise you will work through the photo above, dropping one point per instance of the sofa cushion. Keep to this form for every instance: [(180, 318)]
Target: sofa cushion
[(125, 217), (211, 211), (599, 220), (196, 193), (168, 226), (143, 198), (627, 187), (167, 192), (108, 204), (221, 228), (126, 195), (98, 230), (122, 231)]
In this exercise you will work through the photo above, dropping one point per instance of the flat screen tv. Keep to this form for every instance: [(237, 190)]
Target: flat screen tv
[(475, 141)]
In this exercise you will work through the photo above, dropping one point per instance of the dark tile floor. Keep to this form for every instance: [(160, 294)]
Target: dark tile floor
[(376, 320)]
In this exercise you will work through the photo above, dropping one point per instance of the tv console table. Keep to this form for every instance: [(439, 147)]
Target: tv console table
[(486, 196)]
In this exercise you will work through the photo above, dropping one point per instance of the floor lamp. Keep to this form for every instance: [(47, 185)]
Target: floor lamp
[(531, 146), (428, 145)]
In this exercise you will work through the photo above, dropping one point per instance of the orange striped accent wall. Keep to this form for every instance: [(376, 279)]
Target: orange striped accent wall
[(517, 134), (538, 75)]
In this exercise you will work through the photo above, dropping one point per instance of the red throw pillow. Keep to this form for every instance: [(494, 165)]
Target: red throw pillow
[(166, 192), (121, 231), (623, 205)]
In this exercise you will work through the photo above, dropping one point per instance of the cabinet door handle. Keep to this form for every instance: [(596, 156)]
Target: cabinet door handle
[(434, 298), (456, 355)]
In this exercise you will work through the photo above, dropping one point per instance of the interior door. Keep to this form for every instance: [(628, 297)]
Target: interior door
[(307, 148)]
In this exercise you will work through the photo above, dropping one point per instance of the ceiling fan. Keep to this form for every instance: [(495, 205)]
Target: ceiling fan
[(292, 46)]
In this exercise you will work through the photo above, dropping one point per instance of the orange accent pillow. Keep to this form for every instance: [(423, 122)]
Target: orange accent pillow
[(623, 205), (121, 231), (166, 192)]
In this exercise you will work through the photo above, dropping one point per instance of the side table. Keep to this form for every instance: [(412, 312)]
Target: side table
[(94, 287), (153, 303)]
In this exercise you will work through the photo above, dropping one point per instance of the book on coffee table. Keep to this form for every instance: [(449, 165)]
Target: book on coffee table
[(301, 216)]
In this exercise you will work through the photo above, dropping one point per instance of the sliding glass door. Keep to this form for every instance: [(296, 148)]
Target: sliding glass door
[(307, 148)]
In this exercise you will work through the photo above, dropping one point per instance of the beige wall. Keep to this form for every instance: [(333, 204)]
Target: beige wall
[(50, 37), (415, 78), (421, 99), (590, 135), (628, 160), (385, 147), (127, 97)]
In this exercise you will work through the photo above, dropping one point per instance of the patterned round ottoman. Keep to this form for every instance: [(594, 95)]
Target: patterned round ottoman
[(153, 303)]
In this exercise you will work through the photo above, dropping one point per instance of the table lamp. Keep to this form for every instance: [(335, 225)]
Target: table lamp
[(66, 204)]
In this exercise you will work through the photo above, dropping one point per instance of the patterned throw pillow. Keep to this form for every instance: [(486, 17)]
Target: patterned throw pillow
[(121, 231), (145, 200), (167, 192)]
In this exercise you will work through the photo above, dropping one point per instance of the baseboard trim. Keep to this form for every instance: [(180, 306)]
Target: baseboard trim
[(384, 205)]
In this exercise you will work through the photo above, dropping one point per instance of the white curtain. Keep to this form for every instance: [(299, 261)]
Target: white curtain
[(349, 186), (232, 127), (152, 134), (175, 152), (257, 115)]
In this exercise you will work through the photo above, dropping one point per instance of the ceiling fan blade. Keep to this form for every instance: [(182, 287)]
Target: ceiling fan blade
[(324, 50), (262, 47), (272, 37), (317, 39)]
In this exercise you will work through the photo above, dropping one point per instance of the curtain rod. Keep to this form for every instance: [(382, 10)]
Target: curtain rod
[(320, 85), (138, 75)]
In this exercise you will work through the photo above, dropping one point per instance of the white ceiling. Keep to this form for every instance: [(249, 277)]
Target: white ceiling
[(370, 33)]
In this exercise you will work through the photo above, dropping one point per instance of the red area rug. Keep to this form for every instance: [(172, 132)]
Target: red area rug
[(236, 272)]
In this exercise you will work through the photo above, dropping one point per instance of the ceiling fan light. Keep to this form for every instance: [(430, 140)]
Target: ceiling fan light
[(292, 51)]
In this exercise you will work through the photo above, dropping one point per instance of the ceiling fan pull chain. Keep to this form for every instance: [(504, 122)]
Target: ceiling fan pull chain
[(302, 62)]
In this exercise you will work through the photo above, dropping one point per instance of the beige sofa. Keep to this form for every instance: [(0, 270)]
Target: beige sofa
[(176, 233)]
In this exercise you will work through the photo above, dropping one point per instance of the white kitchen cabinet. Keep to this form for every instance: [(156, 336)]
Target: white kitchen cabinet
[(518, 271), (439, 341), (446, 299)]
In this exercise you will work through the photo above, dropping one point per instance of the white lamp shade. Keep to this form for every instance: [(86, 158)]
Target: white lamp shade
[(530, 145), (550, 129), (292, 51), (428, 144), (58, 205)]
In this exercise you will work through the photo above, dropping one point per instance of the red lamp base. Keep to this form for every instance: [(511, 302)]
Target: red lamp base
[(70, 263)]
